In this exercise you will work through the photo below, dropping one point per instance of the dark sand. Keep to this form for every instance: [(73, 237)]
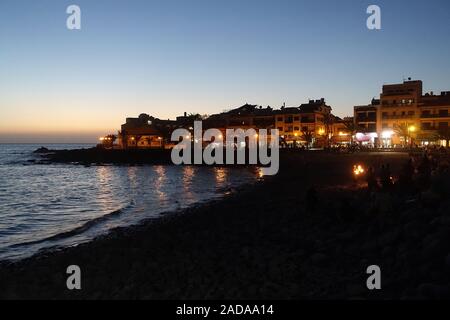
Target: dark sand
[(262, 243)]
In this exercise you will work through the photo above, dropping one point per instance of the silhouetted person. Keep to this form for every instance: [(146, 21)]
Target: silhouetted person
[(406, 173), (385, 177), (424, 170), (371, 180)]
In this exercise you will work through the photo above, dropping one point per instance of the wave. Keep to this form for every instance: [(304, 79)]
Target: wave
[(78, 230)]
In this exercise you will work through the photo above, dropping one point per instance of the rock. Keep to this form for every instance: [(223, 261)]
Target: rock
[(430, 198), (432, 246), (369, 246), (427, 290), (41, 150), (444, 220), (388, 238), (348, 235), (354, 290), (430, 290), (384, 203), (245, 252), (414, 229), (318, 258), (444, 210), (447, 260), (387, 251)]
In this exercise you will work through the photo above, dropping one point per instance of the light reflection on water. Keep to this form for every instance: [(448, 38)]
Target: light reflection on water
[(40, 201), (221, 176)]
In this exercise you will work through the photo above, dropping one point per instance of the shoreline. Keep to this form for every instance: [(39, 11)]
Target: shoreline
[(101, 156), (261, 243), (117, 231)]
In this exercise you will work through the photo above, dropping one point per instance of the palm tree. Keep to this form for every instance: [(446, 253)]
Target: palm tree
[(194, 116), (328, 120), (148, 140), (110, 139), (137, 139), (402, 130), (351, 127), (308, 137), (123, 138), (444, 134)]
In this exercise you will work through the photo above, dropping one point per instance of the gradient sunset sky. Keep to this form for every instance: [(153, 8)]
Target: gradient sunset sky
[(167, 57)]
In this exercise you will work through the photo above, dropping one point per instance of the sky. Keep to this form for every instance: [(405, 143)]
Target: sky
[(167, 57)]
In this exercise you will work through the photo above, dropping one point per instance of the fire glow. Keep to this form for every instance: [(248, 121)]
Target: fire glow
[(358, 170)]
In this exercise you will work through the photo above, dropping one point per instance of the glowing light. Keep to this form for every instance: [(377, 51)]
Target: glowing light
[(101, 138), (321, 131), (411, 128), (387, 134), (358, 170), (260, 173)]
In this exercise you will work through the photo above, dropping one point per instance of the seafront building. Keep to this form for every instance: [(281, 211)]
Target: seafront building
[(310, 124), (402, 115)]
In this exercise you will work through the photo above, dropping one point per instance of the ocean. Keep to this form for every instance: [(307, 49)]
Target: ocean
[(50, 206)]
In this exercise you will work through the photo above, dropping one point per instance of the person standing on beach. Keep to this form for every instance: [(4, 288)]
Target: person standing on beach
[(371, 180), (385, 177)]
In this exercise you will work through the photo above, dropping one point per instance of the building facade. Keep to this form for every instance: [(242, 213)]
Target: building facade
[(309, 124), (403, 116), (435, 118)]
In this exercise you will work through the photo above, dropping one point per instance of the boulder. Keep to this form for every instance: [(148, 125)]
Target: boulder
[(41, 150)]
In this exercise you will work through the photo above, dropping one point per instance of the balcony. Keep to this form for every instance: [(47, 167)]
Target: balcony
[(396, 117), (436, 115), (366, 119), (433, 128)]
